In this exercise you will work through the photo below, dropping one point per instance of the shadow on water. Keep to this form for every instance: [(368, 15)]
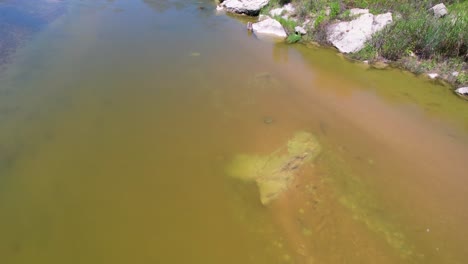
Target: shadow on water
[(8, 157)]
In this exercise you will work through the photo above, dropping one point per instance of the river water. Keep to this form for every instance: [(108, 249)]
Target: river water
[(119, 118)]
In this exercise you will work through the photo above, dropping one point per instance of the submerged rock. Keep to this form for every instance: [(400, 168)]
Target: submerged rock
[(274, 173), (268, 120), (351, 36), (246, 7), (269, 27)]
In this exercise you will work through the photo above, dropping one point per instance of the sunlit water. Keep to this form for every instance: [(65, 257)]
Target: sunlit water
[(119, 118)]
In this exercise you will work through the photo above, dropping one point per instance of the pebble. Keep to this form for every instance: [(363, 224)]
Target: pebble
[(268, 120)]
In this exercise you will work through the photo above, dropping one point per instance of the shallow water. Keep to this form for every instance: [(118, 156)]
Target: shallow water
[(119, 118)]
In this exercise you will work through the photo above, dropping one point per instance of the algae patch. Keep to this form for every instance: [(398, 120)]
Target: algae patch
[(274, 173), (358, 198)]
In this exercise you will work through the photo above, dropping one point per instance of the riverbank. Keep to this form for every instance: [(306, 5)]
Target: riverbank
[(419, 36)]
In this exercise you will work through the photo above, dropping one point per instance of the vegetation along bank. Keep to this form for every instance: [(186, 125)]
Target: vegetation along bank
[(423, 36)]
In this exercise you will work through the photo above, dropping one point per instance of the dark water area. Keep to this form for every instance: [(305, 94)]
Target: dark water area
[(20, 19)]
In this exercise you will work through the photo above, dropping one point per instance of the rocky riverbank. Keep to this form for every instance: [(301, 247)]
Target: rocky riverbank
[(379, 35)]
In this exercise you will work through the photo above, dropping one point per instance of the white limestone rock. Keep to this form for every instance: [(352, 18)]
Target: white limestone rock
[(286, 11), (351, 36), (462, 92), (269, 27), (300, 30), (439, 10), (433, 75), (247, 7)]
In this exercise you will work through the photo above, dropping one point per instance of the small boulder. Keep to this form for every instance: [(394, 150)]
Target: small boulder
[(277, 12), (380, 21), (433, 75), (246, 7), (439, 10), (300, 30), (462, 92), (269, 27), (287, 10)]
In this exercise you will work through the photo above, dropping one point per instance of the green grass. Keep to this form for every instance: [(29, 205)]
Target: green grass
[(272, 5), (416, 31), (288, 24), (426, 36), (335, 9), (367, 53), (404, 7), (293, 38), (346, 15), (462, 78), (319, 19), (416, 37)]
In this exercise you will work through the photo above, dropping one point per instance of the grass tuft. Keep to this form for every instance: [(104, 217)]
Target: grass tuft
[(287, 24), (426, 36), (367, 53), (293, 38), (335, 9)]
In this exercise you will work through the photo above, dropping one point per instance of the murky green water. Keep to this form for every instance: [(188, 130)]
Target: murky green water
[(119, 119)]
